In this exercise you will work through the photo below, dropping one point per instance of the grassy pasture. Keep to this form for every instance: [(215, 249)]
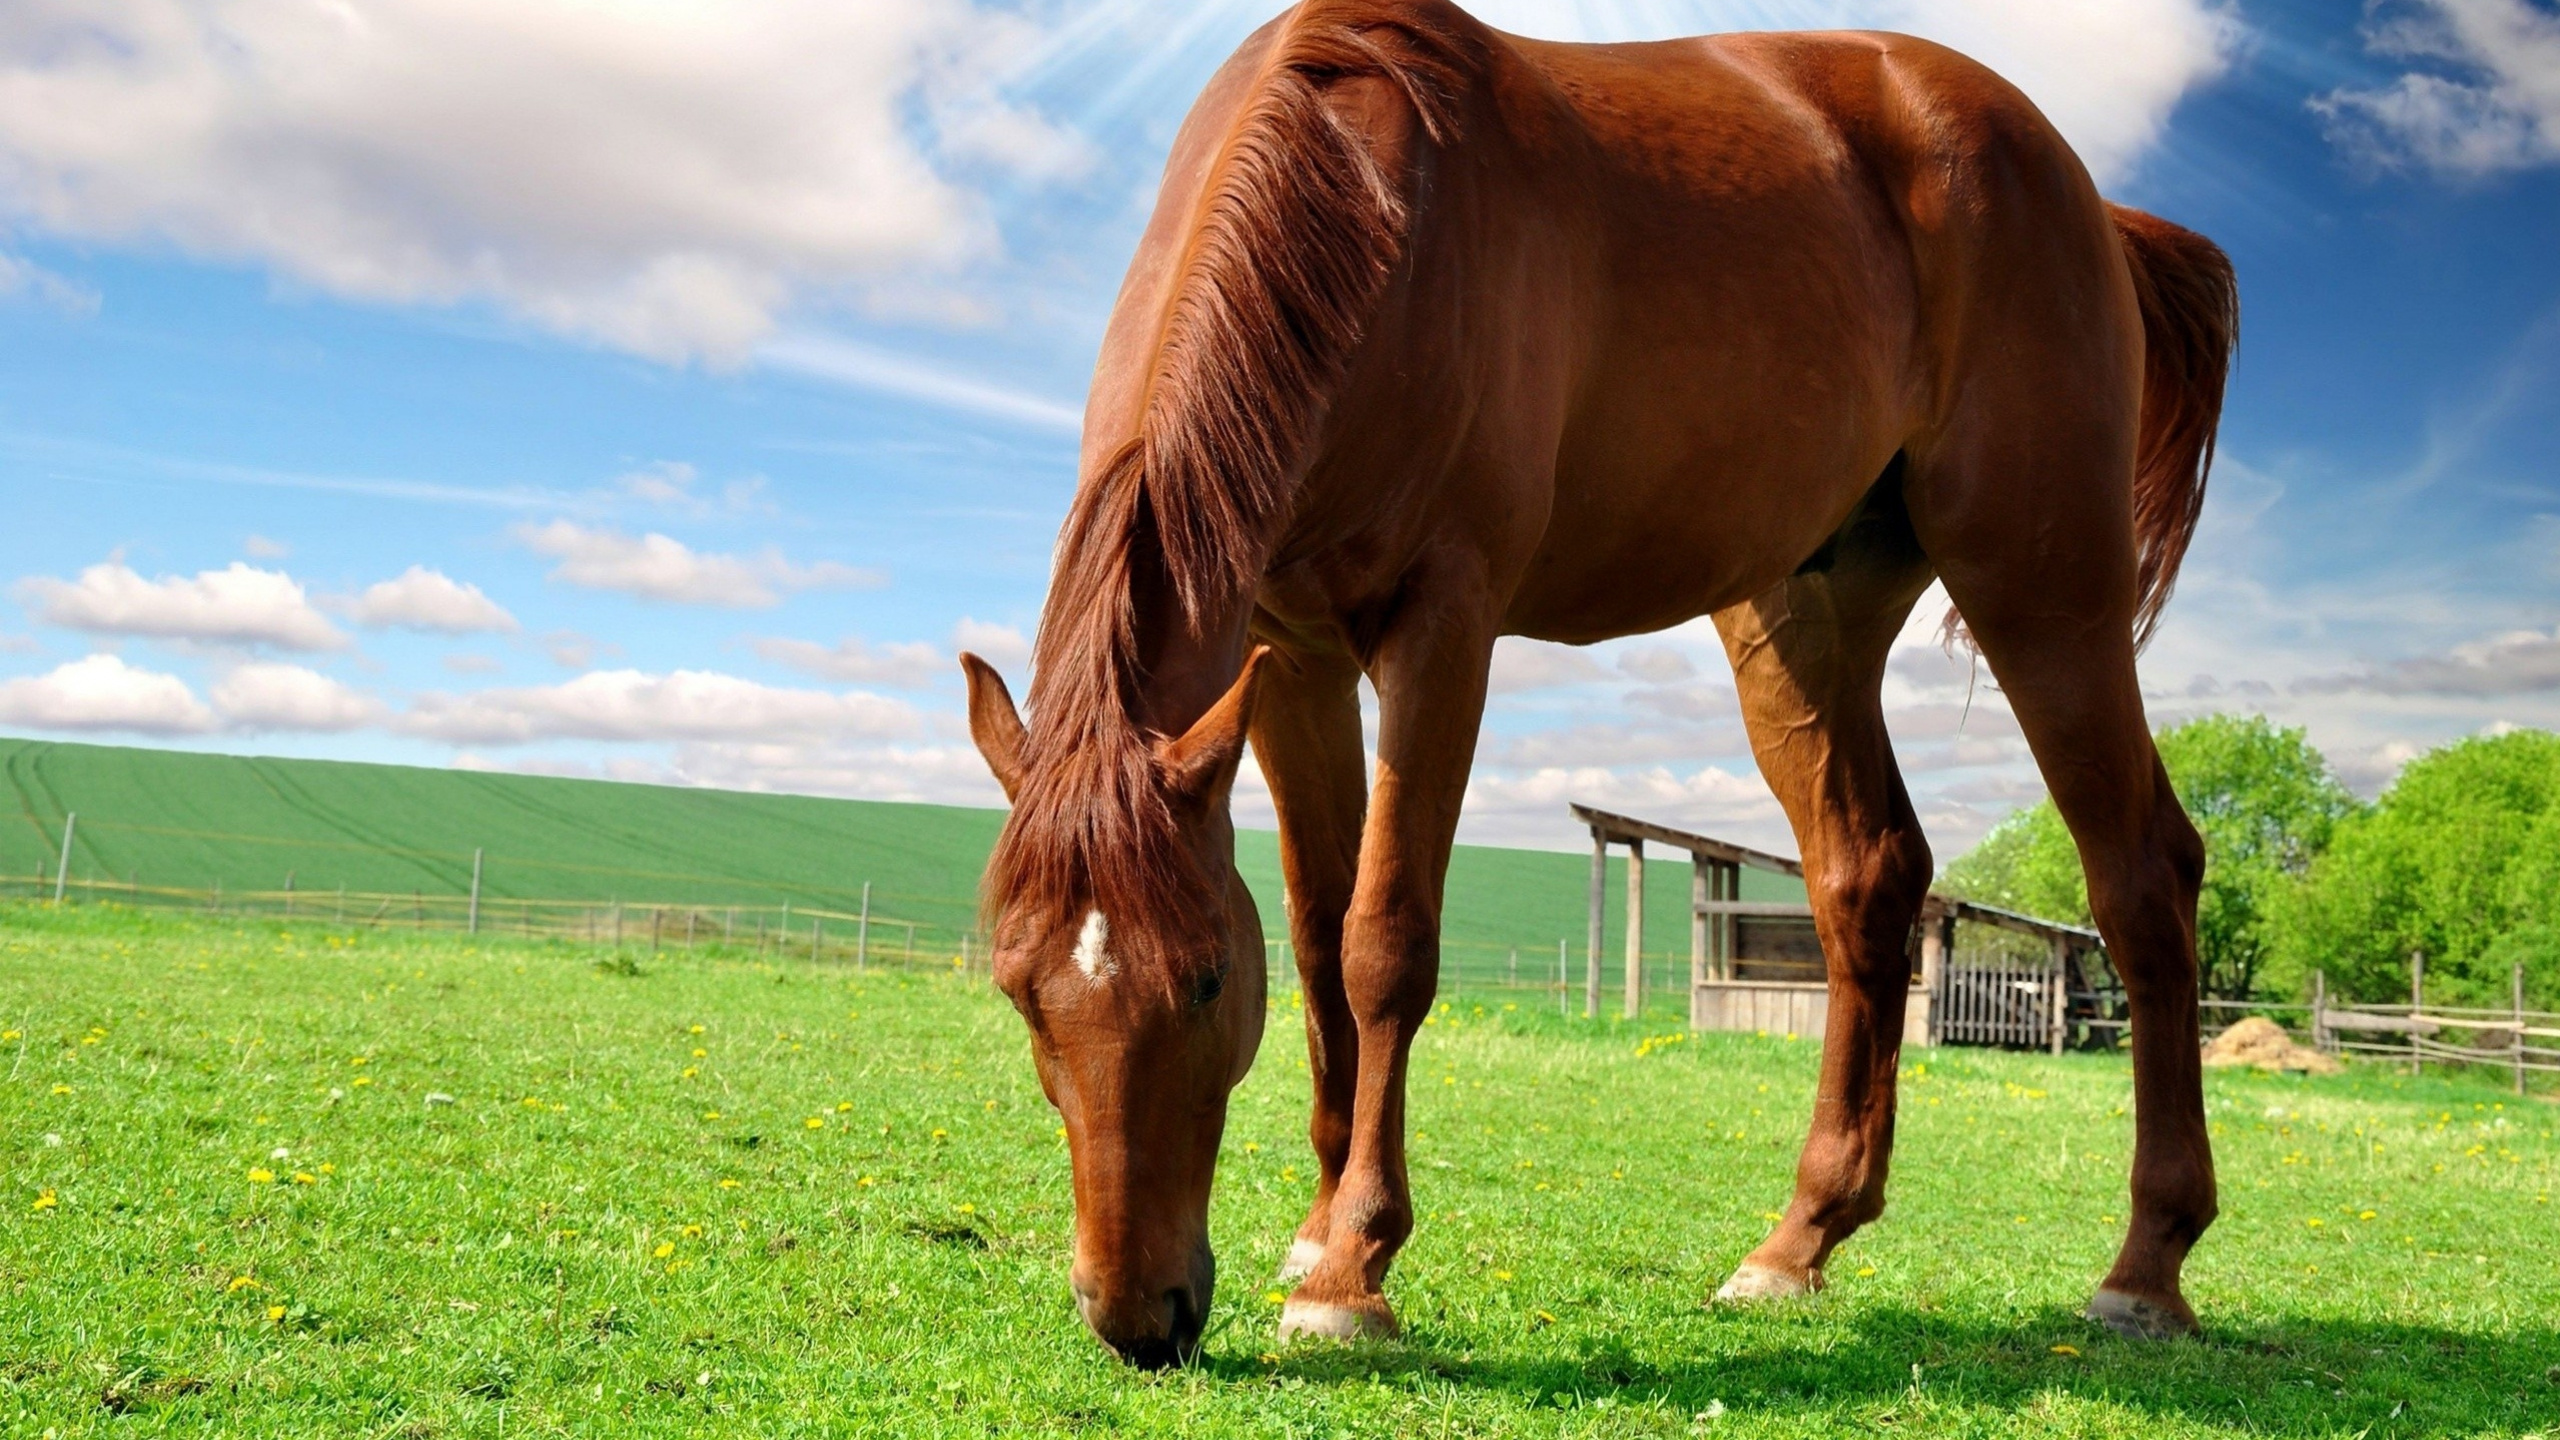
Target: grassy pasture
[(700, 1195)]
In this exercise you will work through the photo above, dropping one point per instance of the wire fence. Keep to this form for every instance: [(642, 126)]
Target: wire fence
[(885, 934)]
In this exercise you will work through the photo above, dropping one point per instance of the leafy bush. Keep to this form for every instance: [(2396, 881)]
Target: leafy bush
[(2261, 796), (2460, 861)]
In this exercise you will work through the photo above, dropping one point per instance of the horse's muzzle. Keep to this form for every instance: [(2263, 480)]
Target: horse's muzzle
[(1156, 1331)]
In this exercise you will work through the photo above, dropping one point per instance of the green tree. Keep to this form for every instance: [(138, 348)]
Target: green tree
[(2459, 861), (2262, 797)]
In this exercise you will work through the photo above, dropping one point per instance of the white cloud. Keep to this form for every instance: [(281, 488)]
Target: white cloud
[(1531, 807), (23, 277), (626, 705), (656, 567), (239, 605), (864, 367), (1658, 664), (102, 692), (271, 696), (998, 645), (660, 178), (424, 599), (259, 547), (662, 482), (2489, 102), (1523, 665), (2522, 662), (906, 665)]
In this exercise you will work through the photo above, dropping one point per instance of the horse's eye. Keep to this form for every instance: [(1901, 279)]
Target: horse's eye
[(1208, 987)]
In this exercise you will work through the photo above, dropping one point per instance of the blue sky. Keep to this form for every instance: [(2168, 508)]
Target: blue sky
[(665, 391)]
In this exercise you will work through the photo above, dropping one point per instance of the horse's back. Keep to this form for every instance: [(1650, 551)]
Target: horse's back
[(1803, 238)]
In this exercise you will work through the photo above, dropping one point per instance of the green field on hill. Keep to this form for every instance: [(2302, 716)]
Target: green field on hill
[(169, 818), (271, 1179)]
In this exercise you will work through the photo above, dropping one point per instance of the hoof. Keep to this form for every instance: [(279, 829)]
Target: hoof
[(1303, 1255), (1316, 1320), (2135, 1318), (1754, 1282)]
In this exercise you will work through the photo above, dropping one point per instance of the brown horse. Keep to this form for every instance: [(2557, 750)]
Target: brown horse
[(1438, 335)]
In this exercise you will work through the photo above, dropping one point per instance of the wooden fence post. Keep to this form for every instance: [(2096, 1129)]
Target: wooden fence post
[(2519, 1034), (1599, 924), (288, 894), (1635, 928), (1564, 984), (2320, 1039), (2417, 1002), (62, 869), (817, 929), (474, 927), (862, 932), (1697, 921)]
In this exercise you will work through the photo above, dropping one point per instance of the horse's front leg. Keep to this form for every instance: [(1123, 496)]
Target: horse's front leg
[(1306, 736), (1430, 675)]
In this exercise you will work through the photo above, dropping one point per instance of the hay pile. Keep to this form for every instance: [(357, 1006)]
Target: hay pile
[(2261, 1043)]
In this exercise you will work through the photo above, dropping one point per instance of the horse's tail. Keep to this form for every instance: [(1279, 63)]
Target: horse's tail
[(2190, 321)]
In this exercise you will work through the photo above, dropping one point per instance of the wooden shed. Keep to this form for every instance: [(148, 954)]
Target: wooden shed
[(1758, 964)]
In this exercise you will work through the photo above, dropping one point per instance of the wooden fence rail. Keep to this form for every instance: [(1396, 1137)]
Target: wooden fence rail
[(2500, 1036)]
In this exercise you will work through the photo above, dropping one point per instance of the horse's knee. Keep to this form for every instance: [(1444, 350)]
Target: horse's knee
[(1877, 886), (1389, 967)]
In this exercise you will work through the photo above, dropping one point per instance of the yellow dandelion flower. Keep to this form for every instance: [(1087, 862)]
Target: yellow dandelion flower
[(1544, 1317), (1252, 1147), (665, 1249), (1289, 1173), (1274, 1297), (866, 1181), (262, 1176), (2071, 1350), (692, 1070), (61, 1089), (1502, 1275), (8, 1034), (941, 1134), (844, 1107), (274, 1313), (701, 1054), (363, 1080), (728, 1184), (815, 1122), (710, 1114), (691, 1232), (1866, 1270), (695, 1030), (328, 1167), (305, 1177), (45, 1201), (240, 1283), (361, 1060), (2315, 1222)]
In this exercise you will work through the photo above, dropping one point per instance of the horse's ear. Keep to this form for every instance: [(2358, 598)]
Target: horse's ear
[(1202, 763), (994, 723)]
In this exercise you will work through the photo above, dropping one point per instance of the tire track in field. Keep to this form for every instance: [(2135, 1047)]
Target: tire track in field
[(302, 801)]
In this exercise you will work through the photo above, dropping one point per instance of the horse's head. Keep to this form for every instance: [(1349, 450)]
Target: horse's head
[(1142, 980)]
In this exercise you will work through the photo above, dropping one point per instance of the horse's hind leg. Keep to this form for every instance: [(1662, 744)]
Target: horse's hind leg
[(1808, 658), (1306, 735), (2027, 522)]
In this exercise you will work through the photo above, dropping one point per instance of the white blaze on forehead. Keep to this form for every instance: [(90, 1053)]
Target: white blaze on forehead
[(1091, 957)]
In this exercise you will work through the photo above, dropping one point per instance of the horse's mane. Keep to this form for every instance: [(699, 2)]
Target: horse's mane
[(1298, 232)]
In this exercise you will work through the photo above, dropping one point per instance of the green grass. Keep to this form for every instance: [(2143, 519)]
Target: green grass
[(589, 1240), (171, 818)]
